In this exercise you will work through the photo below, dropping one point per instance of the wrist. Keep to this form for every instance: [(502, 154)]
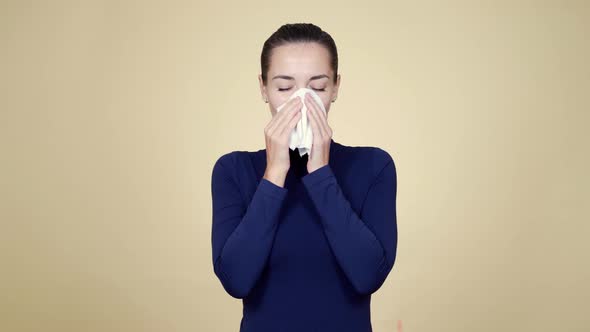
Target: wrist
[(275, 176)]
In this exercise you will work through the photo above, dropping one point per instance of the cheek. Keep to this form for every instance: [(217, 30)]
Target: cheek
[(278, 102), (277, 97)]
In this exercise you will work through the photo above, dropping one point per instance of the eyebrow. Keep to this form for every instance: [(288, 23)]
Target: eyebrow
[(317, 77)]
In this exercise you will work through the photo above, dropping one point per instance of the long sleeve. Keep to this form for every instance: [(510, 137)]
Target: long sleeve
[(365, 244), (242, 234)]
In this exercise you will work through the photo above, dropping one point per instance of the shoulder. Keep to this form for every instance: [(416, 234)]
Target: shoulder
[(372, 158), (382, 158), (229, 163)]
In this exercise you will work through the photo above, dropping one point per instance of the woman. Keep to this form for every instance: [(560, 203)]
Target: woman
[(303, 240)]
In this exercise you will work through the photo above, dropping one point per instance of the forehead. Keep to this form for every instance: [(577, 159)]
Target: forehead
[(300, 58)]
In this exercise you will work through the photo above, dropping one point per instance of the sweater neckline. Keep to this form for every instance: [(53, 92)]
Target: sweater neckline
[(299, 163)]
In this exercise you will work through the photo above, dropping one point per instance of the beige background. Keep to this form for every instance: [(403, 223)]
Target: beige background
[(113, 113)]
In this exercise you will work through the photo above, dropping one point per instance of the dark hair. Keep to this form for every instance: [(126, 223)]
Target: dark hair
[(296, 33)]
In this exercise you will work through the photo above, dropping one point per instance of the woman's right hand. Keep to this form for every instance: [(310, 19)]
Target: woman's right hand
[(277, 135)]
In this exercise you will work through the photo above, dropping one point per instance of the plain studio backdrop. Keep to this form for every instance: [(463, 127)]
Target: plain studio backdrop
[(112, 114)]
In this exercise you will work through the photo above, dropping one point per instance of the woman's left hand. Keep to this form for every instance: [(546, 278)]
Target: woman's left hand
[(322, 135)]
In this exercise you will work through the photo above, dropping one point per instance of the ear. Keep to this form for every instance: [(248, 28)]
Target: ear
[(262, 88), (336, 87)]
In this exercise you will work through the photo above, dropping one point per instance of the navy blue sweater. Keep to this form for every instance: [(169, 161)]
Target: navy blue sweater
[(307, 256)]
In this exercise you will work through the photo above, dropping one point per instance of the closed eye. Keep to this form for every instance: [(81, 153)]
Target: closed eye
[(324, 89)]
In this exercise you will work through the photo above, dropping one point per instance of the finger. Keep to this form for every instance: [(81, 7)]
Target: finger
[(320, 116), (291, 113), (318, 131), (315, 128), (279, 115), (278, 119), (288, 129)]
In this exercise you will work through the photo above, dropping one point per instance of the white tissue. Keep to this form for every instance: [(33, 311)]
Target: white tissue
[(302, 135)]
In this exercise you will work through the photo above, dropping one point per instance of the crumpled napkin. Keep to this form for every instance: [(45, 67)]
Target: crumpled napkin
[(302, 135)]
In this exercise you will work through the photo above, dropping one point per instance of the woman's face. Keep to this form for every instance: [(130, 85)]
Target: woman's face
[(298, 65)]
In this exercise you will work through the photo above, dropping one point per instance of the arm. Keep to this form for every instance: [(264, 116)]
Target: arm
[(365, 246), (242, 235)]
